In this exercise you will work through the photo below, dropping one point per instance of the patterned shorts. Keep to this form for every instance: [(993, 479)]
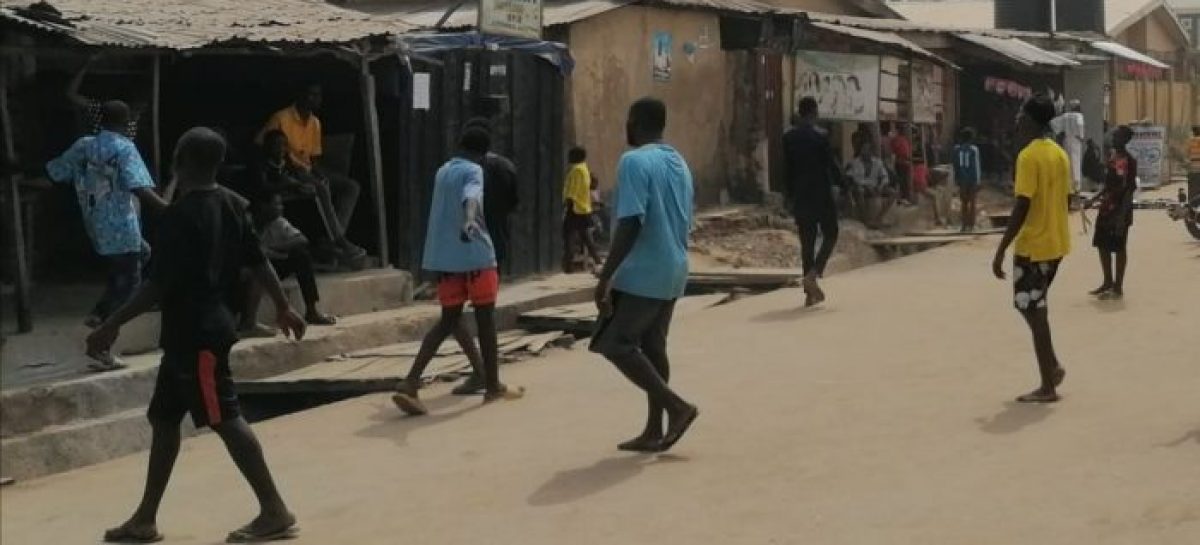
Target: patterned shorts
[(1031, 282)]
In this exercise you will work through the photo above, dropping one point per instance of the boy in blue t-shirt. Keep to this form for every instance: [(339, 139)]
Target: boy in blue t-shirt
[(646, 272), (967, 174)]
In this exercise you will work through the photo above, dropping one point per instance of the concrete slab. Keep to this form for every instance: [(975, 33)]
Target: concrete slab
[(54, 350), (78, 401), (883, 417)]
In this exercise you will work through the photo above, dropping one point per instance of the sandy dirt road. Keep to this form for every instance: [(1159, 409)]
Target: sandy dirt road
[(883, 418)]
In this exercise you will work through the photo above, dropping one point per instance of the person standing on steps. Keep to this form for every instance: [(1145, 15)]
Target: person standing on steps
[(204, 243), (110, 178), (459, 250), (1115, 215), (1038, 225), (811, 172), (646, 272)]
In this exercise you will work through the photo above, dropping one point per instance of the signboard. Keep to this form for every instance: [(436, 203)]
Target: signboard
[(517, 18), (926, 92), (1148, 147), (846, 86)]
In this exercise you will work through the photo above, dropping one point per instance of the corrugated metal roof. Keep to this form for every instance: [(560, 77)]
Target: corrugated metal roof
[(554, 12), (1129, 54), (951, 25), (426, 14), (190, 24), (1118, 14), (886, 38), (1018, 50)]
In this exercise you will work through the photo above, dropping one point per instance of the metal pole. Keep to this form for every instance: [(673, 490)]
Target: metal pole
[(374, 155), (24, 312)]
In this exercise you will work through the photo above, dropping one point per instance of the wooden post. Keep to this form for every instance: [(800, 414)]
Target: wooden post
[(10, 182), (374, 155), (155, 120)]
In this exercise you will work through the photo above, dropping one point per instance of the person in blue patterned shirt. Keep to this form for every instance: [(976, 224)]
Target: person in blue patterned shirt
[(110, 177)]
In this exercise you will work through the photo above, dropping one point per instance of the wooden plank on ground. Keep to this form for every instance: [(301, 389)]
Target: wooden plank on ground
[(955, 232), (913, 241)]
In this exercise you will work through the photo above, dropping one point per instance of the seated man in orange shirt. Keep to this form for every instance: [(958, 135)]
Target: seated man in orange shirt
[(336, 193)]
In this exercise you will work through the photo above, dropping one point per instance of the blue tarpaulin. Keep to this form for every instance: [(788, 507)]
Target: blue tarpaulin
[(552, 52)]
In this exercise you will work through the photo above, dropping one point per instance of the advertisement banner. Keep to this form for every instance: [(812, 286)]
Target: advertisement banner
[(846, 86), (926, 92), (1148, 147), (516, 18)]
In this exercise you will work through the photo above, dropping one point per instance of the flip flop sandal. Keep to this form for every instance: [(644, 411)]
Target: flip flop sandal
[(1038, 398), (510, 393), (410, 404), (244, 535), (122, 534), (104, 363)]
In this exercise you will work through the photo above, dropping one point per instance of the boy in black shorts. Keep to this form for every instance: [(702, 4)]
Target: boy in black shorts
[(205, 240), (1038, 225)]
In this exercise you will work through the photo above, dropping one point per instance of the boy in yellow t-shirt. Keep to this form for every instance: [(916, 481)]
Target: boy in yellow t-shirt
[(577, 209), (1038, 224)]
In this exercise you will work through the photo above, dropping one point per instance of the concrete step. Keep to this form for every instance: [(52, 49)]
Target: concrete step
[(62, 448), (70, 412), (342, 294), (53, 352)]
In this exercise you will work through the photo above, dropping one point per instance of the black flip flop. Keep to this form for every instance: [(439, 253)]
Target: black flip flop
[(245, 535), (122, 534)]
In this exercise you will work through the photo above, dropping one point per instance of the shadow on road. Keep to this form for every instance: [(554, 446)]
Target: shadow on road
[(574, 484), (789, 314), (1014, 418), (1191, 436), (1109, 305), (390, 423)]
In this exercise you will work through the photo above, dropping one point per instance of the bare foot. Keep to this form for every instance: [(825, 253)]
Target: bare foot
[(679, 424)]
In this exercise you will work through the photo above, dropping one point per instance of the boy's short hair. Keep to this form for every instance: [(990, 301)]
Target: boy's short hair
[(576, 155), (475, 140), (967, 135), (200, 148), (808, 107), (1039, 109)]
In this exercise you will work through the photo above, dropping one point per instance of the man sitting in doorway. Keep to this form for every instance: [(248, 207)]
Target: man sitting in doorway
[(869, 185), (336, 193)]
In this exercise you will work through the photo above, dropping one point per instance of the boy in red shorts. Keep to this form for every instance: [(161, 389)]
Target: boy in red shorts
[(459, 250)]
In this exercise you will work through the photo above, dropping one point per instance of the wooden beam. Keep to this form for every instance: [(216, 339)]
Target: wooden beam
[(156, 120), (374, 157), (10, 182)]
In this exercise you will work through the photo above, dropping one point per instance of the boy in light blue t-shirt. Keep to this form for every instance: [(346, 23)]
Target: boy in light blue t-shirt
[(967, 174), (646, 272)]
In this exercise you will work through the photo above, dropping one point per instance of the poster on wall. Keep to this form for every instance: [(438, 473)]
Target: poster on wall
[(926, 92), (846, 86), (1147, 147), (660, 53), (889, 87)]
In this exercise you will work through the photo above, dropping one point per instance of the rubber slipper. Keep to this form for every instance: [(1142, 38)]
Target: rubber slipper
[(122, 534), (410, 404), (1038, 397), (245, 535)]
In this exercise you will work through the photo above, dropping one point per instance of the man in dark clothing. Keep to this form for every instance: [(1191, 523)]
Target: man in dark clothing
[(205, 241), (811, 171)]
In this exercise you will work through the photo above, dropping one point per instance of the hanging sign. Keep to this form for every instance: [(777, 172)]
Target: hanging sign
[(516, 18)]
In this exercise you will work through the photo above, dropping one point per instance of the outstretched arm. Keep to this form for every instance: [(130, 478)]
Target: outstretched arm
[(289, 321), (72, 92)]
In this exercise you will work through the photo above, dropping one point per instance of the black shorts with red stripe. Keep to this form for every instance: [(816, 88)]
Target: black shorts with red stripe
[(197, 382)]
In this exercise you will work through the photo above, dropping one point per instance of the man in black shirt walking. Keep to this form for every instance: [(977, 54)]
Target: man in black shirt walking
[(205, 240), (811, 171)]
